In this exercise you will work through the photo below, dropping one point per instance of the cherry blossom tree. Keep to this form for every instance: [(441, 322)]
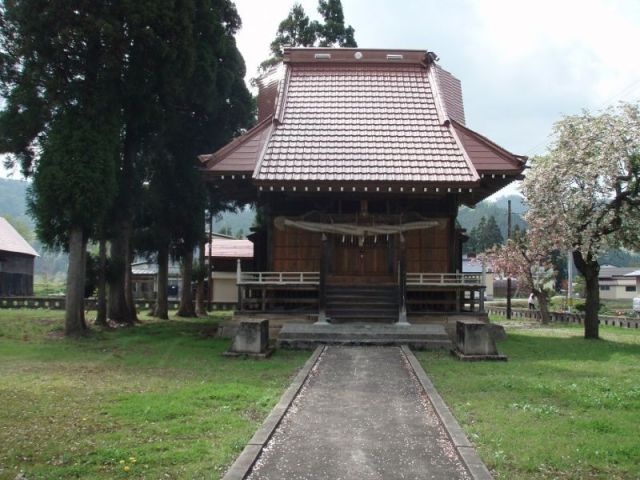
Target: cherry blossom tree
[(527, 258), (585, 193)]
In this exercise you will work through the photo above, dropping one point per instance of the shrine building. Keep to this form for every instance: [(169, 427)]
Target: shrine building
[(357, 167)]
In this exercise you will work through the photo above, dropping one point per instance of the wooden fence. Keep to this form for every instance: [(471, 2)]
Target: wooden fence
[(564, 317)]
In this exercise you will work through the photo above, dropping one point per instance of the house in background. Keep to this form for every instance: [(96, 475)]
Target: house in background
[(224, 256), (616, 283), (635, 275), (145, 280), (470, 264), (16, 262)]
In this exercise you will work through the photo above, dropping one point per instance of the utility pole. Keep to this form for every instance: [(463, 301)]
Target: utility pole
[(509, 276)]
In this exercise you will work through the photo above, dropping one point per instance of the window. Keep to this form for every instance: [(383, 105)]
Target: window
[(605, 287), (631, 288)]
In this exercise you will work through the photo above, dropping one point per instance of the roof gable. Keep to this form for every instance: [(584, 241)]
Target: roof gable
[(12, 241)]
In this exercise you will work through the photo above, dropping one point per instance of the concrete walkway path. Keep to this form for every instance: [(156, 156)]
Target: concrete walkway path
[(363, 413)]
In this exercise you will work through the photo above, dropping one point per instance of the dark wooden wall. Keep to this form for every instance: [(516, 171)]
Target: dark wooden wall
[(296, 250), (429, 250), (292, 250), (16, 274)]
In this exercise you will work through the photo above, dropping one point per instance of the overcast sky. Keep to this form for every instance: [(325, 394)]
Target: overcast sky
[(522, 64)]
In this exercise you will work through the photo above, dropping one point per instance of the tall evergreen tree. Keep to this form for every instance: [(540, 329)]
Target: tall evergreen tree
[(296, 30), (204, 103), (60, 122), (88, 108), (483, 236), (333, 33), (491, 235)]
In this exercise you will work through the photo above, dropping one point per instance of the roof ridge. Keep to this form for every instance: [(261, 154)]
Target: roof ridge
[(432, 77)]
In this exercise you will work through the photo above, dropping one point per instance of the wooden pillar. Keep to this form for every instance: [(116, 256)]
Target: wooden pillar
[(402, 283), (481, 305), (238, 280), (322, 295), (210, 265), (472, 299)]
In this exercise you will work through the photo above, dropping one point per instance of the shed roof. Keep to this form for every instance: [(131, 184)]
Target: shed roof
[(12, 241), (230, 248), (611, 271)]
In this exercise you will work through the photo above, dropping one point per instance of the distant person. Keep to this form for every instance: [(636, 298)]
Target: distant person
[(532, 302)]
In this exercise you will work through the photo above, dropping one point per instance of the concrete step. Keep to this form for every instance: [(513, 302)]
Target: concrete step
[(363, 305), (363, 317), (359, 293), (361, 310), (304, 336)]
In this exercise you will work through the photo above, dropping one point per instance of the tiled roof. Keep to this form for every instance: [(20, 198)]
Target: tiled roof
[(230, 248), (241, 154), (451, 93), (335, 116), (486, 155), (367, 122), (12, 241)]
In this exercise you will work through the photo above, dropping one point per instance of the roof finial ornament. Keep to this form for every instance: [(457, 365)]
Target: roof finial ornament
[(432, 57)]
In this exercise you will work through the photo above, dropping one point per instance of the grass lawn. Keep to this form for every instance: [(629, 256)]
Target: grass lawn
[(157, 400), (562, 407)]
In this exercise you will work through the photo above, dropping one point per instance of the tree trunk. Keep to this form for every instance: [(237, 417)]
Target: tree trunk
[(201, 311), (543, 302), (119, 307), (186, 298), (590, 269), (74, 324), (161, 309), (128, 285), (101, 316)]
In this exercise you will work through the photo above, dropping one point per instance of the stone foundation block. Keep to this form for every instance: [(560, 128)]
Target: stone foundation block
[(251, 339), (477, 341)]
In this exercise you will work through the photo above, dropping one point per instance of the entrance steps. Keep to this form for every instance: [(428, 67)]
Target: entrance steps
[(308, 336), (364, 303)]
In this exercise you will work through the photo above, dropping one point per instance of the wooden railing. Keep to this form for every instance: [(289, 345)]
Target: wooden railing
[(278, 278), (445, 279)]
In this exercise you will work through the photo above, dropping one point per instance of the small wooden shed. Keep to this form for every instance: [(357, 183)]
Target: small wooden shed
[(16, 262)]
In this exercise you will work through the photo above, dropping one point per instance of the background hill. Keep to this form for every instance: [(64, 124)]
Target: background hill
[(469, 217)]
